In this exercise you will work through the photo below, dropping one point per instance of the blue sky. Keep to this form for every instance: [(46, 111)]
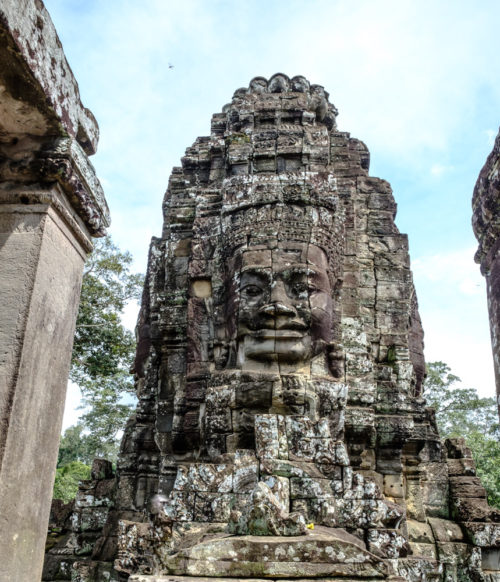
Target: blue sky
[(417, 81)]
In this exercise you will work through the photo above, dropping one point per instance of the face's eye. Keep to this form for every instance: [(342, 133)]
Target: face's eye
[(251, 291), (300, 288), (303, 288)]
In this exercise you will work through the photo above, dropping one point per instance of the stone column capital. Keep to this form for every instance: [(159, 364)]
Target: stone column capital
[(66, 163), (39, 165)]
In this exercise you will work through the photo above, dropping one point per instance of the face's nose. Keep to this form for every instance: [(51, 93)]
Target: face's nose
[(275, 309), (278, 292), (279, 302)]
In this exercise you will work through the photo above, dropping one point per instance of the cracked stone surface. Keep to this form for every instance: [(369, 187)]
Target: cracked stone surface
[(280, 431)]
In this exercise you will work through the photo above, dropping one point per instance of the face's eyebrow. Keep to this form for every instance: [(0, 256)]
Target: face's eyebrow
[(299, 271), (263, 272)]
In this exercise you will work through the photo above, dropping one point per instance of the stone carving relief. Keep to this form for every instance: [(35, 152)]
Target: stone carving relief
[(279, 369), (284, 308)]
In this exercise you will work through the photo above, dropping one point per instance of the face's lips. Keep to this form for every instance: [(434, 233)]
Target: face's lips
[(277, 334), (280, 326), (284, 324)]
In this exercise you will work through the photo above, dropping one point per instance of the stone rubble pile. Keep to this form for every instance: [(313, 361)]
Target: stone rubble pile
[(75, 527)]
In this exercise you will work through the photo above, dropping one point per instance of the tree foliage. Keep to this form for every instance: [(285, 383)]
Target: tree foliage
[(67, 479), (103, 353), (461, 412), (103, 347), (74, 446)]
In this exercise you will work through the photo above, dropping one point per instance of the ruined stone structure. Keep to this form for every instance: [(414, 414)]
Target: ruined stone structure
[(486, 224), (51, 204), (280, 431)]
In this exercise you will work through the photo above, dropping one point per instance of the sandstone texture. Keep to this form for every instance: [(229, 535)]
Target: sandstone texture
[(281, 432), (51, 204), (486, 224)]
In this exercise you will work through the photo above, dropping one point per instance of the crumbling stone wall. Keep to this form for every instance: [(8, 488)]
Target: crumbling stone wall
[(486, 224), (75, 527)]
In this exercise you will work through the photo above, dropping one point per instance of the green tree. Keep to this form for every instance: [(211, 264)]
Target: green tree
[(461, 412), (103, 353), (67, 479), (74, 446), (103, 347)]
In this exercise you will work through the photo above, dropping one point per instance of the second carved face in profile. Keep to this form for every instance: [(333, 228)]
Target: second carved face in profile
[(284, 312)]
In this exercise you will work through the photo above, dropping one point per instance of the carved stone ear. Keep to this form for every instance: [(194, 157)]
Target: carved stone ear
[(221, 352), (226, 356), (336, 360)]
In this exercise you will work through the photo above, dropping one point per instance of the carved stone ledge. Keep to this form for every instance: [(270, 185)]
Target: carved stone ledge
[(33, 66), (68, 164), (39, 163)]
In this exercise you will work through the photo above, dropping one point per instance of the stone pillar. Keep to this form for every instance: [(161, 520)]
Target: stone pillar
[(486, 224), (51, 204)]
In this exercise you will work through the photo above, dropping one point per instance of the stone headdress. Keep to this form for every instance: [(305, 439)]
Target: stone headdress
[(293, 207)]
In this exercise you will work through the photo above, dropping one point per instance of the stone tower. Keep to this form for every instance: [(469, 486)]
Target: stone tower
[(486, 224), (280, 431)]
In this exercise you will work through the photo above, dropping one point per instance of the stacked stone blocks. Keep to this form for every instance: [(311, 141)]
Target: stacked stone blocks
[(279, 372)]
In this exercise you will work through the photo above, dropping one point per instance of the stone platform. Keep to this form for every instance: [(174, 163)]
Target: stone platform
[(322, 552), (208, 579)]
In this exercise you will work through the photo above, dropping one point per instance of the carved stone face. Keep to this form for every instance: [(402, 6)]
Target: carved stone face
[(258, 85), (278, 84), (285, 305), (300, 84)]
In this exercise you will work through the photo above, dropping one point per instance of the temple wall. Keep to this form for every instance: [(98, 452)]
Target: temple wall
[(486, 224)]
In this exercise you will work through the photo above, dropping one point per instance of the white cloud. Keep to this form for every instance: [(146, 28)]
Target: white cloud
[(452, 304), (491, 135), (469, 286), (130, 313), (469, 359), (449, 268), (440, 169)]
